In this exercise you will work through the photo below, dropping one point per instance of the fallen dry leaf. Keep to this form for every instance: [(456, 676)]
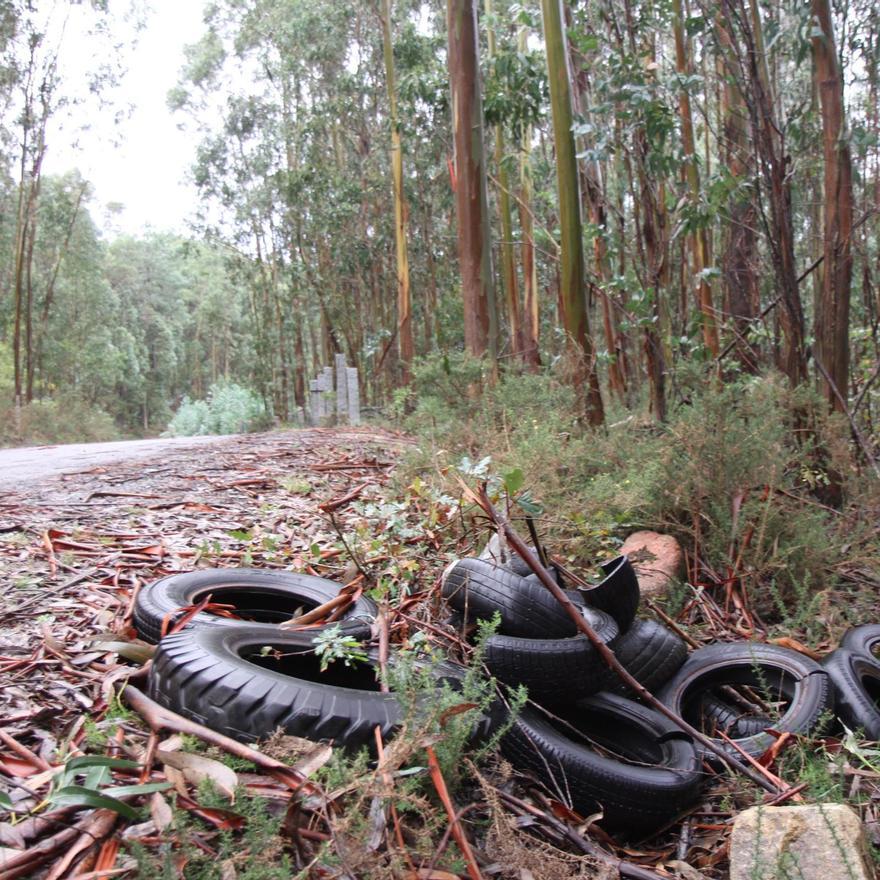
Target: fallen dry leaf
[(160, 811), (198, 768)]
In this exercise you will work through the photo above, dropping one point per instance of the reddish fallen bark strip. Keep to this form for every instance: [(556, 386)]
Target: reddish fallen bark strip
[(159, 718), (103, 822), (336, 503), (457, 830), (24, 751), (350, 466)]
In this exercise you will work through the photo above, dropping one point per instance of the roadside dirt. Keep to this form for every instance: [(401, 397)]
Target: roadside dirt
[(32, 464), (141, 510)]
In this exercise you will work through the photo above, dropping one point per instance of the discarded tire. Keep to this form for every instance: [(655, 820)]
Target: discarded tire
[(737, 721), (651, 654), (246, 681), (796, 689), (609, 753), (519, 566), (862, 640), (553, 670), (479, 589), (856, 680), (617, 593), (259, 597)]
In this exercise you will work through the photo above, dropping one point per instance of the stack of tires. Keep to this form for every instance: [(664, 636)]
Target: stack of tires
[(855, 674), (583, 734)]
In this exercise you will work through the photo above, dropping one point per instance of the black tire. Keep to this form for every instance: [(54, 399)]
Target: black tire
[(260, 597), (478, 589), (519, 566), (217, 676), (856, 680), (862, 640), (553, 670), (651, 654), (656, 776), (617, 593), (790, 677), (719, 714)]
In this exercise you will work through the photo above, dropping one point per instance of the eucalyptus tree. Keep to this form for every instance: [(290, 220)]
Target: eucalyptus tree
[(832, 314), (38, 86), (404, 303), (572, 283), (700, 246), (471, 193)]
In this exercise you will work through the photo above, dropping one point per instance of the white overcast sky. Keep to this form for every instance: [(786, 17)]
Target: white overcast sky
[(143, 161)]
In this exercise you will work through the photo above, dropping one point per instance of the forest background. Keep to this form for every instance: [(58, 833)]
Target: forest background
[(610, 207)]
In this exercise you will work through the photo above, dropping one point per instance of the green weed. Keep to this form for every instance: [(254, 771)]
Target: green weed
[(256, 852)]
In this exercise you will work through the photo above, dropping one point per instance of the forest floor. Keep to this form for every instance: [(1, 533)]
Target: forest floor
[(75, 548)]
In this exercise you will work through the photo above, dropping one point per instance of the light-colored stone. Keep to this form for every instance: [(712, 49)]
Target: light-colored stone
[(315, 401), (658, 561), (341, 389), (818, 842), (353, 394)]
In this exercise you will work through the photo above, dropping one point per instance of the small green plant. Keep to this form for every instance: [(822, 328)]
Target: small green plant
[(449, 713), (295, 486), (86, 781), (251, 847), (332, 644)]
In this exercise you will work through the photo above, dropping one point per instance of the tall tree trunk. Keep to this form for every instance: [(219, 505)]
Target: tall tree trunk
[(531, 326), (700, 236), (594, 203), (832, 316), (652, 232), (404, 306), (739, 263), (471, 196), (531, 304), (749, 65), (572, 283), (508, 264), (430, 301)]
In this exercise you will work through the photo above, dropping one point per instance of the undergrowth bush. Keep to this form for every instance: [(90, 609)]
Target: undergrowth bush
[(228, 409), (732, 474), (65, 418)]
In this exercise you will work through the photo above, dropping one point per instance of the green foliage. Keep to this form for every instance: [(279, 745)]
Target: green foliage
[(727, 470), (447, 715), (95, 789), (256, 852), (66, 418), (228, 409), (332, 645)]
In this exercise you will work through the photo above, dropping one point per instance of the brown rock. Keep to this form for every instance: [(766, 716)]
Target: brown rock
[(658, 561), (817, 842)]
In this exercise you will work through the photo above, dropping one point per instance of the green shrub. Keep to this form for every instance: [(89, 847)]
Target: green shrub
[(65, 418), (228, 409), (731, 474)]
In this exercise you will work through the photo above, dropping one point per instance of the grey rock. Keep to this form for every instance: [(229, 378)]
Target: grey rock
[(817, 842)]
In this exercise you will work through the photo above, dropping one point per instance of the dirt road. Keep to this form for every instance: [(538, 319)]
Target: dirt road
[(32, 463)]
